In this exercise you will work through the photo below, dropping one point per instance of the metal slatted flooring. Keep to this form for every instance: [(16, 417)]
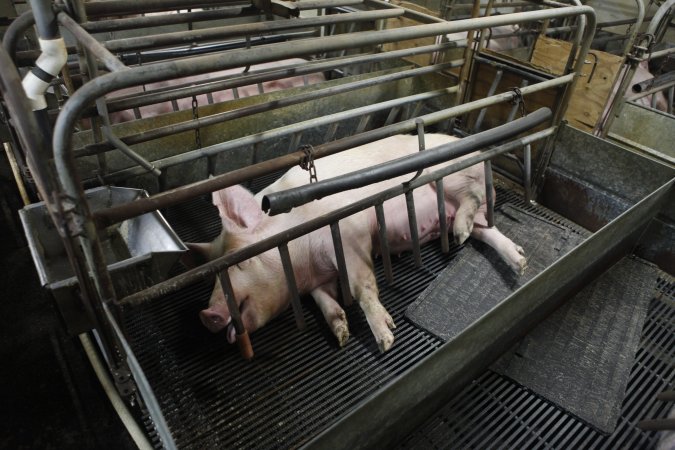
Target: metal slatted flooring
[(494, 412), (300, 381)]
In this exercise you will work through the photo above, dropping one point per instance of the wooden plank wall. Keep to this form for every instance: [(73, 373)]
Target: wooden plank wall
[(589, 98)]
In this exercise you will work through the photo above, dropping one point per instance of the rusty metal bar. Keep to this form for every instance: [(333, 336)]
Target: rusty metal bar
[(341, 264), (384, 243), (110, 61), (292, 286), (235, 257)]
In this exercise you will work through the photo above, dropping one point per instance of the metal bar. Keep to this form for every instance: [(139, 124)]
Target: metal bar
[(283, 201), (511, 69), (248, 29), (243, 340), (15, 31), (212, 267), (126, 150), (411, 398), (660, 82), (412, 224), (292, 286), (491, 92), (489, 194), (134, 23), (527, 172), (110, 61), (341, 264), (318, 4), (666, 85), (279, 132), (442, 218), (671, 99), (129, 7), (384, 243), (141, 206), (190, 89)]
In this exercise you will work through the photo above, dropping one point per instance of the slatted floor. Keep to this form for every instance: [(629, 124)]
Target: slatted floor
[(300, 381)]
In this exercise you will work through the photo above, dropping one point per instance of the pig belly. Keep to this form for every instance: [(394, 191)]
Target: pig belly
[(398, 225)]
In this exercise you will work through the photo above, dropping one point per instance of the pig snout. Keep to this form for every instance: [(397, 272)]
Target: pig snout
[(216, 319)]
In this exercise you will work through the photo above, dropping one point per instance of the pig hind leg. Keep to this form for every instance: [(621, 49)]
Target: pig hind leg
[(512, 254), (325, 296)]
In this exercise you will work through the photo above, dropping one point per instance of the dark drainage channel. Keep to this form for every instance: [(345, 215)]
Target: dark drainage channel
[(300, 381)]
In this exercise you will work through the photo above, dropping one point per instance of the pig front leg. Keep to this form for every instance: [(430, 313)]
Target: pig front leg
[(325, 298), (512, 254), (363, 287)]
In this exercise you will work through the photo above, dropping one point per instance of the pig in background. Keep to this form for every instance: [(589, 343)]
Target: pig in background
[(218, 96), (259, 283)]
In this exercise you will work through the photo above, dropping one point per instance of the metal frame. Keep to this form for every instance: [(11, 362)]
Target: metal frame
[(70, 209)]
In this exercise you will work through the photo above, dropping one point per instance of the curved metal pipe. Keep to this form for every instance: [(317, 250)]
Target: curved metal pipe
[(284, 201), (655, 24), (15, 30)]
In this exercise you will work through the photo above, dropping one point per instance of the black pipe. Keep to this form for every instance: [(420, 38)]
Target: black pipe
[(15, 31), (45, 19), (655, 82), (284, 201)]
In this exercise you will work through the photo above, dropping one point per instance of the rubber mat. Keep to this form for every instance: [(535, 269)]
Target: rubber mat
[(581, 357)]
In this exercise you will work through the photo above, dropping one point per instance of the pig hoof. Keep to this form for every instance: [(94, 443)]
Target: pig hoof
[(385, 342), (342, 334), (520, 250), (522, 266), (461, 237), (390, 322)]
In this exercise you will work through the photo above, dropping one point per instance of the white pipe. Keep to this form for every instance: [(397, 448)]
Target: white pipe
[(51, 61), (130, 424)]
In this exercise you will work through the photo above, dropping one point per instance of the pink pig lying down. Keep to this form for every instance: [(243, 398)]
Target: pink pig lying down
[(259, 283)]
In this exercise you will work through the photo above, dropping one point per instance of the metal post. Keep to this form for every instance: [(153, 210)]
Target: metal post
[(341, 264), (292, 286), (384, 243)]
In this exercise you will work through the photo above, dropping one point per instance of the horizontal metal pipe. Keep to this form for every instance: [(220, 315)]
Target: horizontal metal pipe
[(254, 77), (110, 61), (318, 4), (263, 107), (502, 66), (116, 214), (247, 29), (283, 201), (651, 91), (657, 83), (132, 23), (211, 268), (129, 7)]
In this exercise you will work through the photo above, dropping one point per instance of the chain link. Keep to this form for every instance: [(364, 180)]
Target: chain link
[(518, 99), (195, 116), (307, 163)]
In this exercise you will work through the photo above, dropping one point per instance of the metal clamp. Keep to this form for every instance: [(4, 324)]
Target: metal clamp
[(307, 163), (518, 99), (195, 116)]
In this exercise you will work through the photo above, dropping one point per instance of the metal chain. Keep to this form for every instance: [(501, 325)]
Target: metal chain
[(519, 99), (307, 163), (195, 116)]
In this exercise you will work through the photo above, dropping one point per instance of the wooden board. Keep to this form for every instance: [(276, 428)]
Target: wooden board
[(401, 22), (589, 98)]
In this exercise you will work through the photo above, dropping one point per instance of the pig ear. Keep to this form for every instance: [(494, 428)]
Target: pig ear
[(198, 253), (238, 209)]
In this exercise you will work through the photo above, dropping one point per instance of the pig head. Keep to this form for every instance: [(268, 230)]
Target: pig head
[(258, 283)]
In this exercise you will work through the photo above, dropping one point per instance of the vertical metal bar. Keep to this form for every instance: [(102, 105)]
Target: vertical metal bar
[(363, 123), (295, 141), (414, 235), (137, 113), (489, 194), (209, 98), (261, 89), (527, 172), (491, 92), (415, 110), (292, 286), (174, 104), (652, 103), (342, 265), (243, 340), (235, 93), (442, 219), (384, 243), (393, 112), (211, 165), (671, 93), (330, 133)]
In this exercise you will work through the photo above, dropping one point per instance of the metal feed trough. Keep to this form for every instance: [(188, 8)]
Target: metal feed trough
[(141, 248), (377, 70)]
